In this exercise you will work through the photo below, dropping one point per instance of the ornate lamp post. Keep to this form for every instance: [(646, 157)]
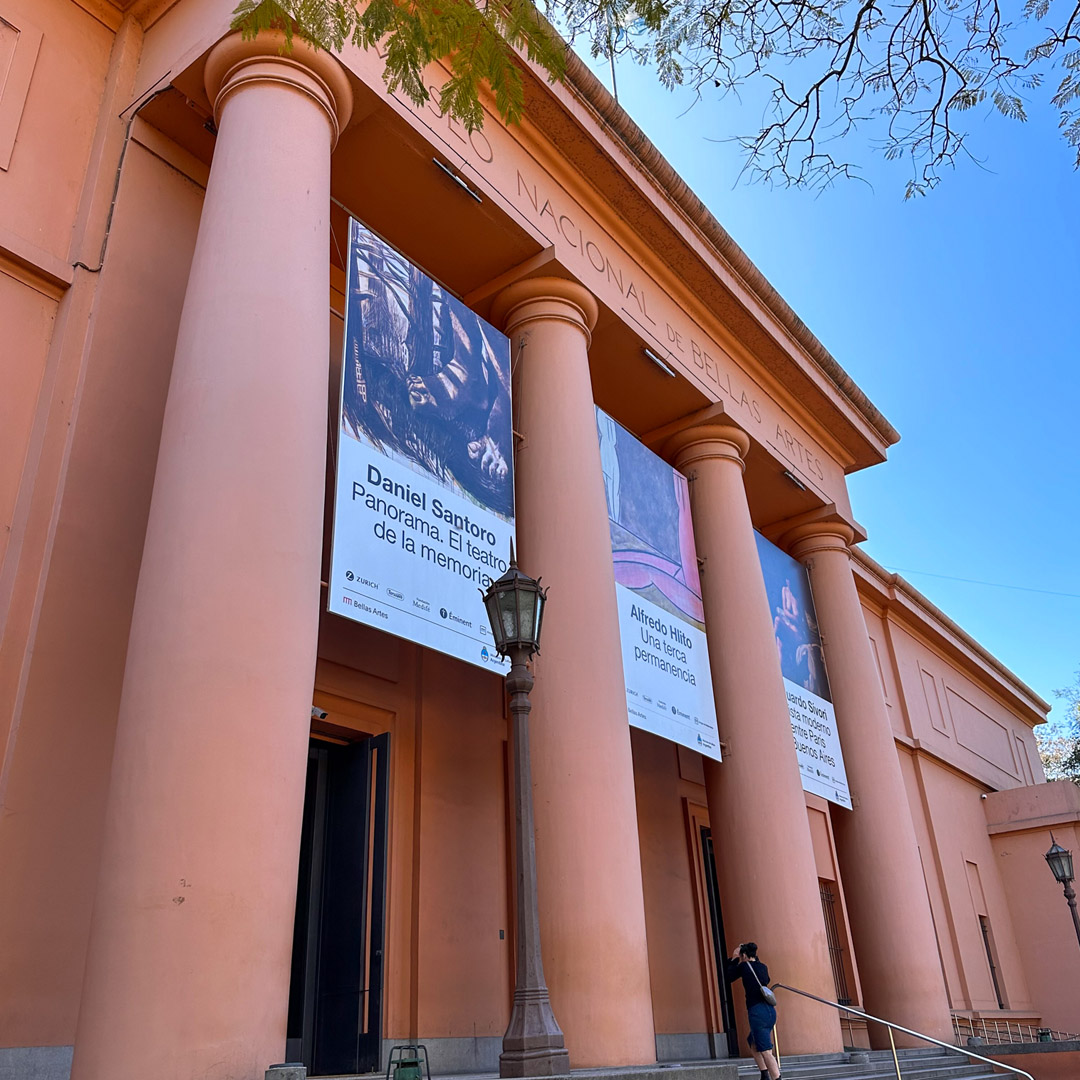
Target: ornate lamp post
[(1061, 863), (533, 1043)]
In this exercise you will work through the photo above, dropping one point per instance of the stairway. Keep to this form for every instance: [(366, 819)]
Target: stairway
[(930, 1063)]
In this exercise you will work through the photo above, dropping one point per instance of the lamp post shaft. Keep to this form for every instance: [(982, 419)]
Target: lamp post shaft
[(533, 1044), (1070, 896)]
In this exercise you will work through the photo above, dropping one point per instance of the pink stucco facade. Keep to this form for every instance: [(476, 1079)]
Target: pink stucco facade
[(172, 208)]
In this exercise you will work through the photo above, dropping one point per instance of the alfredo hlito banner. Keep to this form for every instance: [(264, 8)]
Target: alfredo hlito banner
[(661, 617), (813, 721), (424, 494)]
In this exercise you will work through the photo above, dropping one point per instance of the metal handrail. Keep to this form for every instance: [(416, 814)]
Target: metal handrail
[(907, 1031), (973, 1026)]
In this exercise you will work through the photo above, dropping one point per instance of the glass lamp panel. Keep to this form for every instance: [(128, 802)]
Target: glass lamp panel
[(540, 602), (508, 614), (491, 602), (1064, 872), (527, 612)]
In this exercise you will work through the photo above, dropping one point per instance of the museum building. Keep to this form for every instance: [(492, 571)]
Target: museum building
[(186, 733)]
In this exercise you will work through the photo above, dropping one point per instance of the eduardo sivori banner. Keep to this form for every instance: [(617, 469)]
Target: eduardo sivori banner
[(661, 617), (798, 641), (424, 488)]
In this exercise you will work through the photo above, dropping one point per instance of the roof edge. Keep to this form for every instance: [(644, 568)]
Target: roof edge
[(619, 123), (903, 586)]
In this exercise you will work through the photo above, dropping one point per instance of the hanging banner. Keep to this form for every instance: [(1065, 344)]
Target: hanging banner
[(661, 617), (813, 721), (424, 489)]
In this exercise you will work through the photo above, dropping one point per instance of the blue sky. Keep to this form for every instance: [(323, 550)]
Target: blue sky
[(956, 313)]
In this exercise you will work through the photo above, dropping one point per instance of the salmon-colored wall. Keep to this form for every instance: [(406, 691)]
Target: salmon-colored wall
[(820, 814), (1048, 1066), (448, 971), (964, 882), (27, 315), (464, 966), (40, 191), (954, 712), (1020, 823), (676, 966), (367, 681), (59, 756)]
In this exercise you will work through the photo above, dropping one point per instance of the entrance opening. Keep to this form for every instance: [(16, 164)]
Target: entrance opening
[(988, 942), (836, 944), (336, 988), (720, 949)]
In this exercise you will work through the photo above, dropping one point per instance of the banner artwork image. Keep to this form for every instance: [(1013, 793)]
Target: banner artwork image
[(802, 663), (661, 617), (424, 494)]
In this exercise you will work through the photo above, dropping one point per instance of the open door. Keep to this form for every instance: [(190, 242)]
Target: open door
[(335, 999), (720, 950)]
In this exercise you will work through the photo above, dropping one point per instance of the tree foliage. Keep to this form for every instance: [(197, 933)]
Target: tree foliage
[(908, 71), (484, 40), (1059, 747)]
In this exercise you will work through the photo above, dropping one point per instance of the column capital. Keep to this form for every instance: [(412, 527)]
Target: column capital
[(814, 536), (545, 298), (702, 442), (234, 63)]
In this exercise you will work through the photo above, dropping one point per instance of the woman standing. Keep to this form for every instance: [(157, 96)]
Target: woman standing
[(762, 1016)]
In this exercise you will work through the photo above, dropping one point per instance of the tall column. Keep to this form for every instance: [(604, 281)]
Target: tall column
[(764, 852), (188, 966), (592, 912), (891, 925)]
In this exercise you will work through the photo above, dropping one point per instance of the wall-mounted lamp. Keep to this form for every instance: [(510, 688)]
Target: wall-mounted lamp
[(795, 480), (666, 368)]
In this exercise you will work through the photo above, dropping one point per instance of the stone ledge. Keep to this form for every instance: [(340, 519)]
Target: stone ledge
[(35, 1062)]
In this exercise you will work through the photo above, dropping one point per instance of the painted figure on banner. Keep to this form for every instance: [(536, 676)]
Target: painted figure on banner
[(652, 534), (658, 591), (426, 380), (798, 640), (802, 665)]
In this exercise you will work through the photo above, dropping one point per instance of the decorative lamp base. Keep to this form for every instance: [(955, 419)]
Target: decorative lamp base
[(533, 1044), (540, 1062)]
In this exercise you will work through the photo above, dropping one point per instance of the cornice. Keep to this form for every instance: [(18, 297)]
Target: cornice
[(875, 433), (111, 12)]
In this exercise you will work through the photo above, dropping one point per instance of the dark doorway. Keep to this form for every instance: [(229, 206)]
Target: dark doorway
[(335, 994), (720, 949)]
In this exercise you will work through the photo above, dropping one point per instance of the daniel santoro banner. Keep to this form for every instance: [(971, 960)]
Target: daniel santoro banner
[(802, 663), (424, 492), (661, 617)]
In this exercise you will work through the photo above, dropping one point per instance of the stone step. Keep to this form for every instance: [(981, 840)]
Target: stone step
[(922, 1063), (876, 1065)]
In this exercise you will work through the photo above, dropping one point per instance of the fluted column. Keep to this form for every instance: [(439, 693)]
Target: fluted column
[(188, 966), (764, 853), (891, 925), (592, 912)]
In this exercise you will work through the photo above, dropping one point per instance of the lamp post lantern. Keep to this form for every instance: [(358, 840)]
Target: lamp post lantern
[(533, 1044), (1061, 864)]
